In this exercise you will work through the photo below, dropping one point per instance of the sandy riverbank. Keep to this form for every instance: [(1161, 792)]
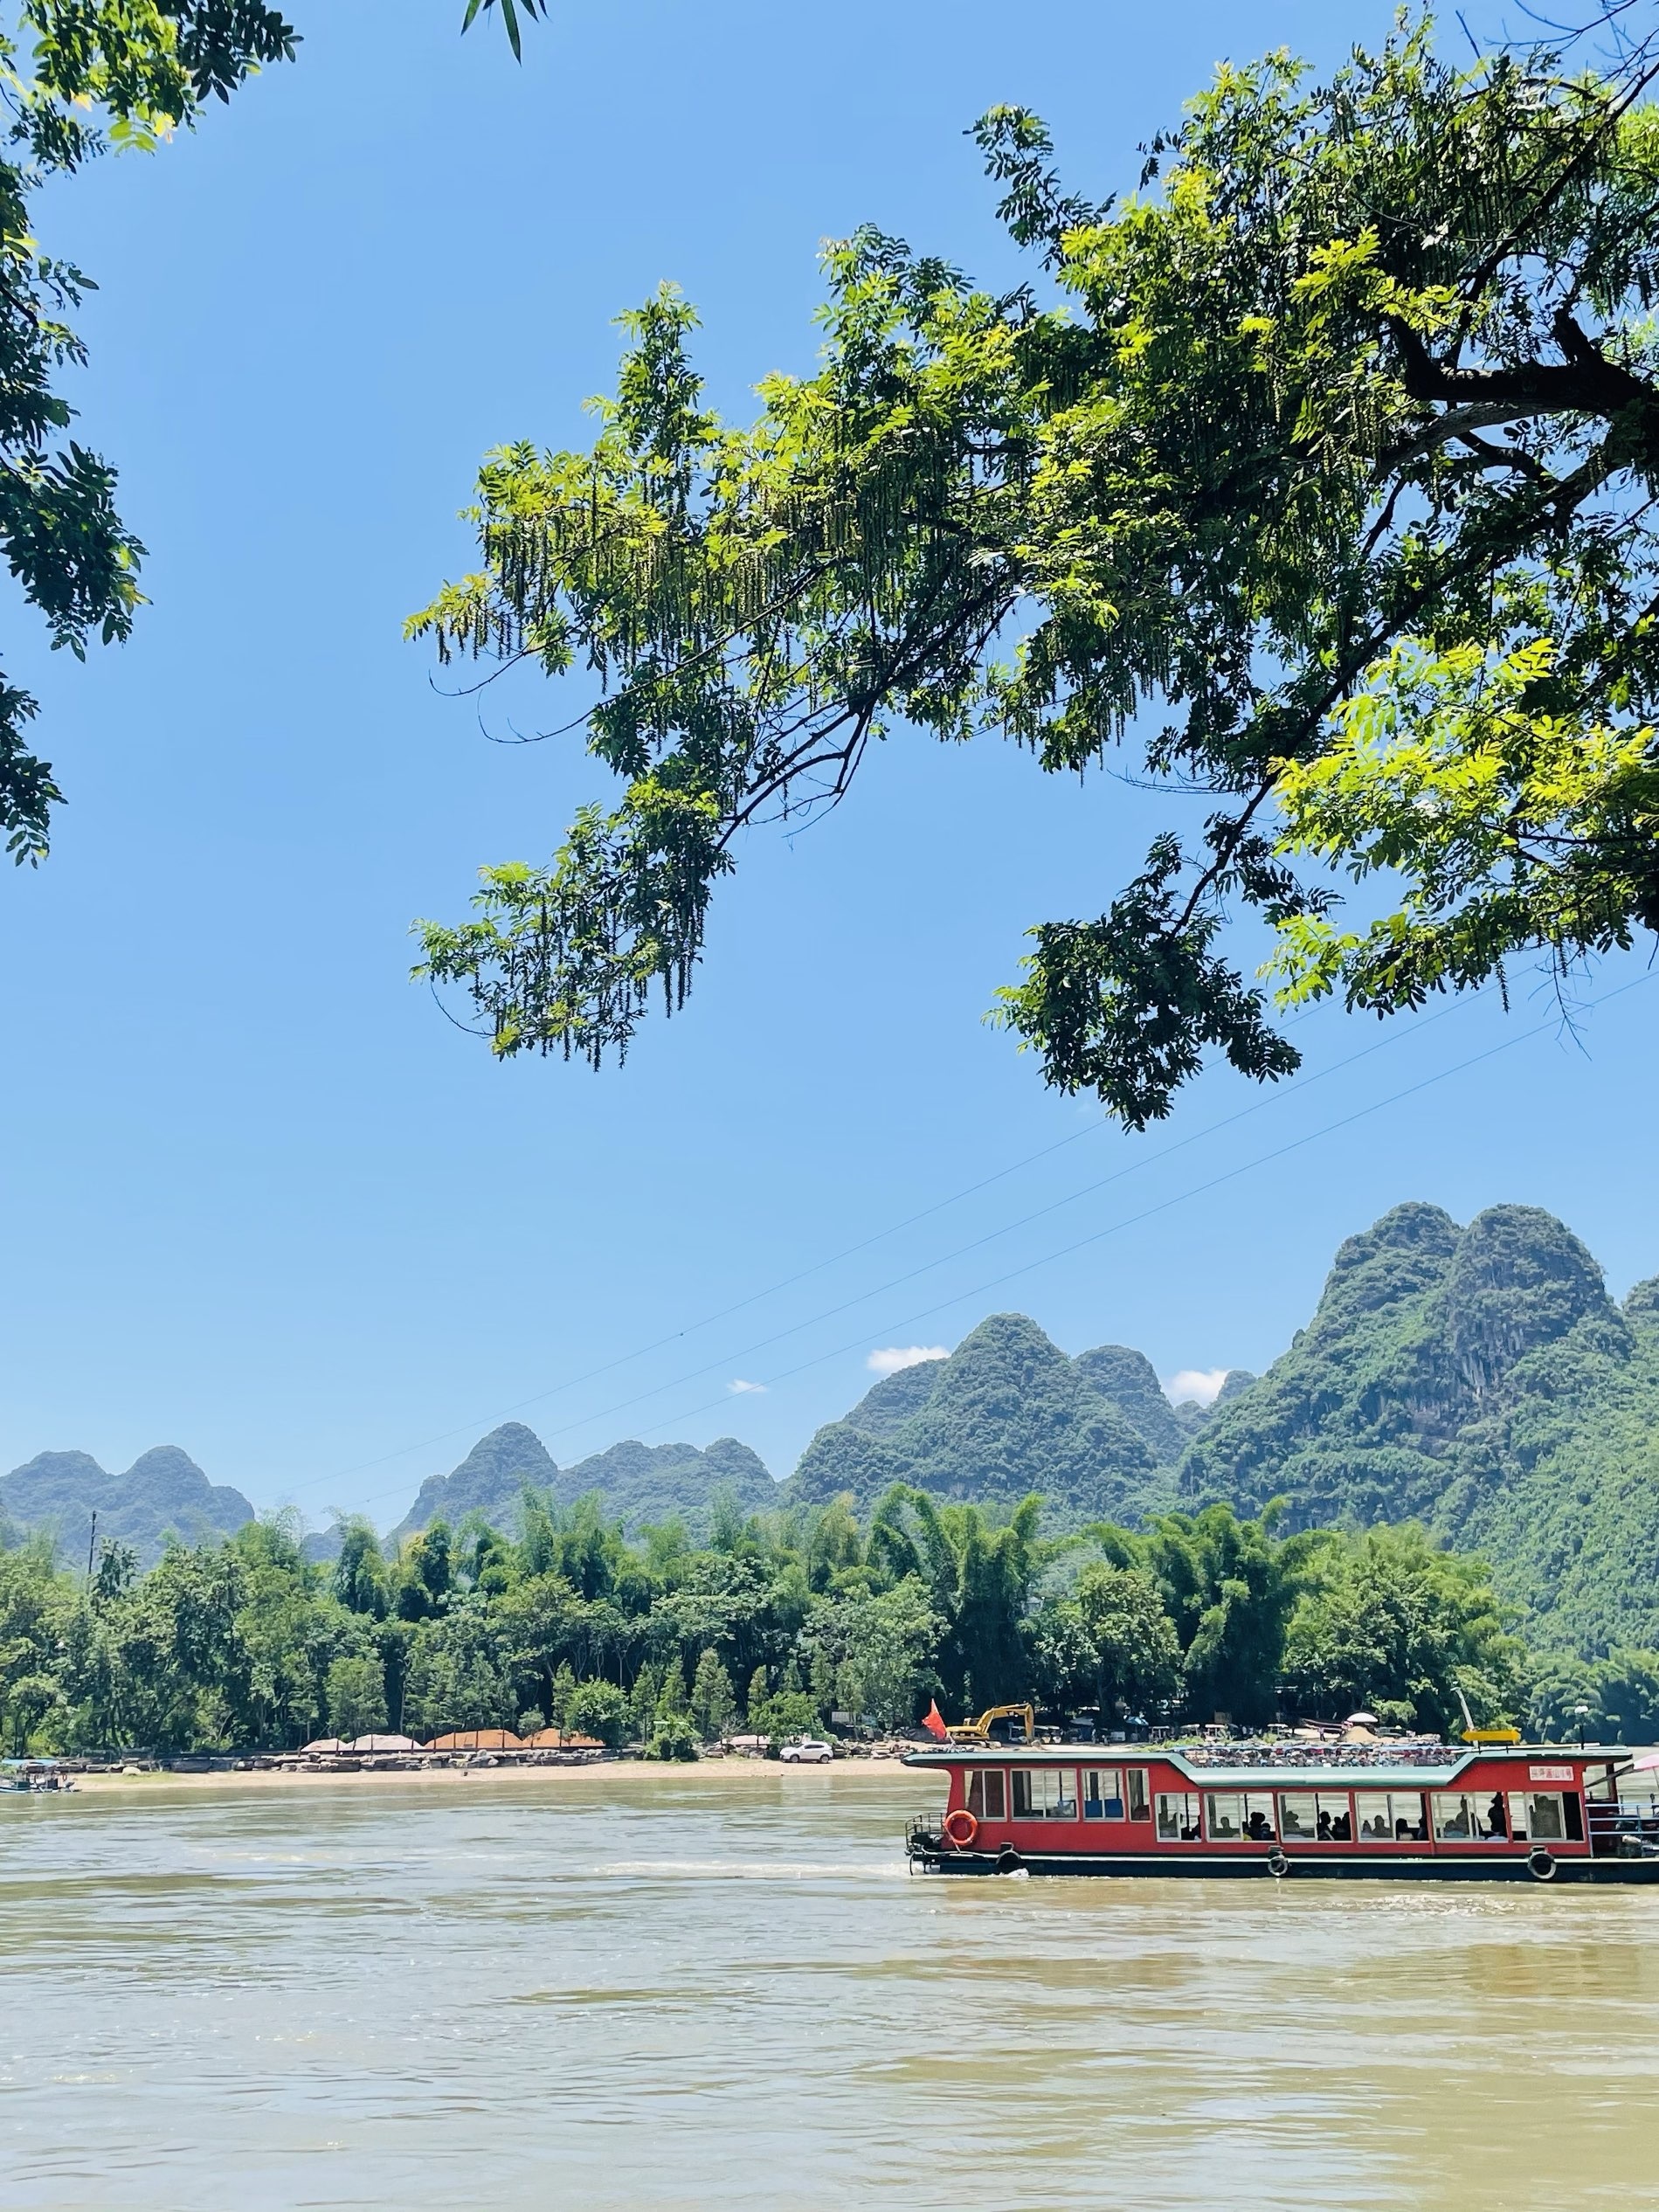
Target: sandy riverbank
[(736, 1771)]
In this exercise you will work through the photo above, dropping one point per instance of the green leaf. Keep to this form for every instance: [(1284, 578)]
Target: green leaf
[(510, 17)]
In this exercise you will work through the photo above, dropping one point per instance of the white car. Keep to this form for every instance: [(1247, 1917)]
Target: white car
[(807, 1750)]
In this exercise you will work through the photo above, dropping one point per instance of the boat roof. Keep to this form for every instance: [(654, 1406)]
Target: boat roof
[(1232, 1766)]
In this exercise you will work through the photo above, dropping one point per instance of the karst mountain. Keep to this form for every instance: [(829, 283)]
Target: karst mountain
[(1475, 1376)]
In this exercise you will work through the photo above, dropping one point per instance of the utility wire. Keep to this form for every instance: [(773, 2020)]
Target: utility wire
[(1180, 1198), (723, 1313), (1038, 1213), (1134, 1167)]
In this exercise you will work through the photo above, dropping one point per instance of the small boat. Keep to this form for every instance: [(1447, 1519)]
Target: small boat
[(1416, 1811), (34, 1776)]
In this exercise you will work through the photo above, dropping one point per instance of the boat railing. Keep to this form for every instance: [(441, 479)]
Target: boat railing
[(1625, 1826), (1613, 1815), (924, 1839), (1275, 1752)]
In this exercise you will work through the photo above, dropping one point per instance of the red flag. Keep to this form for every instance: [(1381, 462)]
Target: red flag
[(933, 1720)]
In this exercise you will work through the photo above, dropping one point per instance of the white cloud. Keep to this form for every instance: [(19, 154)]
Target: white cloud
[(741, 1387), (896, 1356), (1199, 1383)]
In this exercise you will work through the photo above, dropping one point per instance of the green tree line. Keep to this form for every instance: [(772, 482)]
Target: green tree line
[(774, 1621)]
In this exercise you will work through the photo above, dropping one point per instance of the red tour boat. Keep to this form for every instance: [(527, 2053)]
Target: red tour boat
[(1416, 1811)]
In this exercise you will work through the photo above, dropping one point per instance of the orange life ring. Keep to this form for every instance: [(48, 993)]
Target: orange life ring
[(961, 1826)]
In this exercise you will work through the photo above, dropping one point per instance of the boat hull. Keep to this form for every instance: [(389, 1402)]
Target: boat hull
[(1233, 1866)]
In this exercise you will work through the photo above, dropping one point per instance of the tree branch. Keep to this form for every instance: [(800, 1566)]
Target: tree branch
[(1587, 383), (1459, 422)]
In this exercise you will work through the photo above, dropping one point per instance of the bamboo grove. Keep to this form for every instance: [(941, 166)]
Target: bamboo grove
[(770, 1622)]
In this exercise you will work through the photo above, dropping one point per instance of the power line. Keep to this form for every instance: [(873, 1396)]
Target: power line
[(723, 1313), (1133, 1167), (1180, 1198), (829, 1313)]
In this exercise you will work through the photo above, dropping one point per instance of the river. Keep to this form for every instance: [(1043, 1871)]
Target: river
[(684, 1989)]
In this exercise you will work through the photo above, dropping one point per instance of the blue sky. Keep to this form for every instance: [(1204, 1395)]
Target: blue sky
[(263, 1200)]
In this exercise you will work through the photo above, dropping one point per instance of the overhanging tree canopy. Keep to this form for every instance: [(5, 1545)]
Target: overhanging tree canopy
[(125, 72), (77, 76), (1329, 473)]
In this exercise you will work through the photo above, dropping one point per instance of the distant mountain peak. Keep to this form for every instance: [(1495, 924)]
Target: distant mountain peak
[(641, 1483), (163, 1492), (637, 1482), (1518, 1279), (1008, 1412), (1415, 1225), (1129, 1379), (896, 1398), (490, 1481), (1480, 1379)]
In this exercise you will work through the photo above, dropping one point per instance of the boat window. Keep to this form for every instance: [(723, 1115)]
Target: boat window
[(1543, 1821), (1239, 1816), (1298, 1817), (1045, 1793), (1491, 1819), (1103, 1793), (1224, 1811), (1140, 1805), (988, 1795), (1336, 1821), (1384, 1816), (1373, 1821), (1259, 1823), (1411, 1817), (1177, 1816), (1456, 1817), (1324, 1818)]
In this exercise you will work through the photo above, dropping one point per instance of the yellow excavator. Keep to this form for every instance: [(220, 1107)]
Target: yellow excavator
[(1473, 1735), (979, 1731)]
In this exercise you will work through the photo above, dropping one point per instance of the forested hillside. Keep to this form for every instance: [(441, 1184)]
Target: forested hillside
[(1477, 1382), (1007, 1414), (1476, 1378), (641, 1483), (489, 1480), (636, 1483), (162, 1491), (1480, 1380)]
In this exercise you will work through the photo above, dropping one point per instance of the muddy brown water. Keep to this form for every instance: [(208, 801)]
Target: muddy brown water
[(684, 1990)]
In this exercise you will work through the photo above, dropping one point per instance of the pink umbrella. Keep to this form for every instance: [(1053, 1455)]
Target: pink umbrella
[(1647, 1764)]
